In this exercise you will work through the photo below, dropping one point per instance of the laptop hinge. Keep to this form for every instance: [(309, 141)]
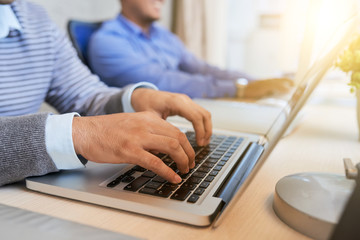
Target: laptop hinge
[(239, 173), (262, 141)]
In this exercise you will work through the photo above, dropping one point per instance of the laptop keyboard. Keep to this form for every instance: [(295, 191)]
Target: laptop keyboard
[(209, 161)]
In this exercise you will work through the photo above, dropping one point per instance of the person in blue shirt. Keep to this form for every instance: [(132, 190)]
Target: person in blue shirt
[(132, 48)]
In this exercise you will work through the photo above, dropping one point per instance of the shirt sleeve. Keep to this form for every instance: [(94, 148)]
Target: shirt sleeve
[(113, 58), (126, 97), (59, 143), (191, 64)]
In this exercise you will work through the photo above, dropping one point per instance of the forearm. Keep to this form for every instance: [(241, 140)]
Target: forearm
[(23, 149), (191, 64), (193, 85)]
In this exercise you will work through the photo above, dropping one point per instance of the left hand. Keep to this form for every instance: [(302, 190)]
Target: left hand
[(168, 104), (267, 87)]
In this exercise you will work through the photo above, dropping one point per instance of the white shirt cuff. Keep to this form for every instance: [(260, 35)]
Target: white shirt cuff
[(126, 97), (59, 142)]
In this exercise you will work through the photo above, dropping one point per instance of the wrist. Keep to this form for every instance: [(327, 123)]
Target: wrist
[(128, 99), (241, 85), (141, 97), (77, 134)]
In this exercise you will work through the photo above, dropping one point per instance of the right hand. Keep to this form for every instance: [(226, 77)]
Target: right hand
[(129, 138), (267, 87)]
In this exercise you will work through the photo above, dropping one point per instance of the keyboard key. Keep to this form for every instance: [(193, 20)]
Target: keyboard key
[(204, 184), (129, 173), (149, 174), (154, 185), (171, 186), (221, 149), (159, 179), (221, 163), (164, 192), (120, 177), (199, 160), (139, 169), (136, 184), (113, 183), (225, 158), (212, 160), (220, 152), (189, 185), (199, 191), (209, 178), (193, 179), (185, 175), (199, 174), (146, 190), (204, 169), (226, 145), (210, 165), (217, 168), (213, 173), (215, 156), (181, 194), (193, 198), (127, 179)]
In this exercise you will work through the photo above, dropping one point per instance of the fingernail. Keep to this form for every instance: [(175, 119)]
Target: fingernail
[(192, 165), (177, 179)]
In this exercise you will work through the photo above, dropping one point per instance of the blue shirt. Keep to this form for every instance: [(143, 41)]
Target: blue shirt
[(121, 53)]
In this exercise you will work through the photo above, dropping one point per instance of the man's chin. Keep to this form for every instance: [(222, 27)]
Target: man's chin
[(6, 1), (151, 18)]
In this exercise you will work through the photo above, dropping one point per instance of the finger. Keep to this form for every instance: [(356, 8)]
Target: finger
[(208, 126), (163, 128), (179, 149), (154, 164), (197, 120), (195, 114)]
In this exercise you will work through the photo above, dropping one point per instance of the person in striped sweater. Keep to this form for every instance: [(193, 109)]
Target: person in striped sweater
[(37, 64)]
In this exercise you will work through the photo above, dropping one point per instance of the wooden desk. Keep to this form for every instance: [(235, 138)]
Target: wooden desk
[(326, 134)]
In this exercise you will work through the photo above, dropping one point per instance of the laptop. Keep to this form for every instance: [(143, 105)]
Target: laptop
[(223, 169)]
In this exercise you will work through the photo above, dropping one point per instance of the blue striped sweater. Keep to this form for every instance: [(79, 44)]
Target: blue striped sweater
[(39, 64)]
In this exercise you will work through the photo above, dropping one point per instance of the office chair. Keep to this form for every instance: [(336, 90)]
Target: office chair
[(80, 33)]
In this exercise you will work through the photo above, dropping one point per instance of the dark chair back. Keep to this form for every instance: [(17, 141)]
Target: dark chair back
[(80, 33)]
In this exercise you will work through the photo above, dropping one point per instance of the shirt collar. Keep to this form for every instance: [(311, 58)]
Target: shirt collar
[(135, 28), (8, 21)]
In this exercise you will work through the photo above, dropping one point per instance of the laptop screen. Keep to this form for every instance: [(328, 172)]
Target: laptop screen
[(297, 98)]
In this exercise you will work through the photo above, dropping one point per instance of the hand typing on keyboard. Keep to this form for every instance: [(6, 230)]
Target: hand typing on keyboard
[(131, 137)]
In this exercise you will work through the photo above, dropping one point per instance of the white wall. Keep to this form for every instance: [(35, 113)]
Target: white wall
[(90, 10), (265, 36)]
